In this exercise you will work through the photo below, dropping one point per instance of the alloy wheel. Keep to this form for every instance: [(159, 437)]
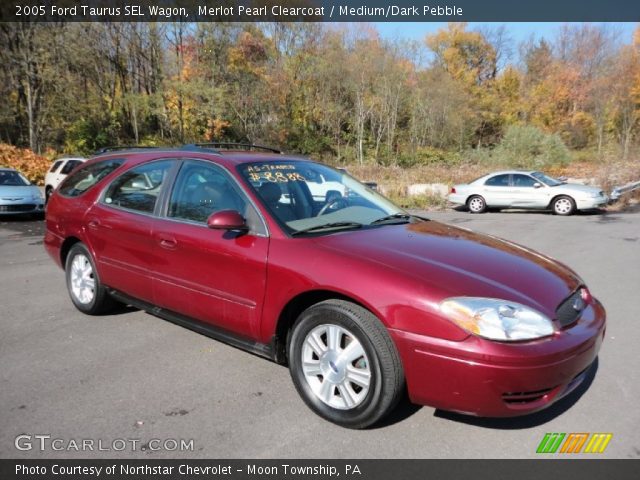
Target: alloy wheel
[(563, 206), (82, 279), (476, 205), (336, 366)]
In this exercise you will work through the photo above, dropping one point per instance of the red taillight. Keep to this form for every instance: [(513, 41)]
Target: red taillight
[(453, 189), (586, 296)]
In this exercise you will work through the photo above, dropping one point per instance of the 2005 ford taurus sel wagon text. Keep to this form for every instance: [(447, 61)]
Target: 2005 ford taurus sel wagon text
[(359, 298)]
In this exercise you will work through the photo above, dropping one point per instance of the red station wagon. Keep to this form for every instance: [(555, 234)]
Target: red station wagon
[(360, 299)]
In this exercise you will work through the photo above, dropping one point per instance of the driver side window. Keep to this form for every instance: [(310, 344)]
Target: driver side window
[(523, 181), (201, 189)]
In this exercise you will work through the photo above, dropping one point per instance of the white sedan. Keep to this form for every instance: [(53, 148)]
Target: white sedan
[(532, 190)]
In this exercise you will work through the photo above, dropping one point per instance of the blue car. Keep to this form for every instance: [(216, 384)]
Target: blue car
[(18, 195)]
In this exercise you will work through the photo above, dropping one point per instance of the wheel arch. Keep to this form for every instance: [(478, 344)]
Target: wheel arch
[(298, 304), (66, 247), (551, 202), (475, 194)]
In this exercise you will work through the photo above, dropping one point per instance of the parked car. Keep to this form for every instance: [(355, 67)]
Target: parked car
[(531, 190), (58, 172), (358, 297), (18, 195)]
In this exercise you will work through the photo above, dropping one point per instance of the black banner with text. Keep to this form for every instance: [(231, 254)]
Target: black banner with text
[(314, 469), (320, 10)]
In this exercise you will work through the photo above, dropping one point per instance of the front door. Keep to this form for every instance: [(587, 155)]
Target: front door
[(527, 192), (214, 276)]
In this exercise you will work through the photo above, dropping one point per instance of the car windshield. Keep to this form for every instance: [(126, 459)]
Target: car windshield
[(306, 197), (550, 181), (10, 178)]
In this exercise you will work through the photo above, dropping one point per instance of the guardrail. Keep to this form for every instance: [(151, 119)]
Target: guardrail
[(617, 192)]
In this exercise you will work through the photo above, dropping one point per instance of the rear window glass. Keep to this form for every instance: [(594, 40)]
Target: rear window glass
[(56, 165), (498, 181), (70, 165), (85, 178)]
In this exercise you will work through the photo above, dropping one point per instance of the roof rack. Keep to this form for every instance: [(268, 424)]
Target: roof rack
[(121, 147), (232, 145)]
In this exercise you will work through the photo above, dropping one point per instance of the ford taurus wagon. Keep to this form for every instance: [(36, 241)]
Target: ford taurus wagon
[(362, 300)]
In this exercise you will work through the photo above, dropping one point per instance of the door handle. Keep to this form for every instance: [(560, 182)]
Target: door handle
[(167, 242), (93, 224)]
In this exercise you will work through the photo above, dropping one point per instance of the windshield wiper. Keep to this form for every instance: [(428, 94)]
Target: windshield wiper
[(397, 216), (329, 226)]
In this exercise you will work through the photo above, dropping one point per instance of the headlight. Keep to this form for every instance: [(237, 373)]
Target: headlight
[(496, 319)]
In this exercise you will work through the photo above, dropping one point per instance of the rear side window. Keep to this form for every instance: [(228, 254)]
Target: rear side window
[(498, 181), (138, 189), (55, 166), (70, 165), (85, 178)]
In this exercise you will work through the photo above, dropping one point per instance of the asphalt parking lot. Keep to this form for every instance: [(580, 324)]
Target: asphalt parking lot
[(133, 376)]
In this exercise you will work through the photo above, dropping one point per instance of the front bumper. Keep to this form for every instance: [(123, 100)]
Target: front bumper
[(494, 379), (589, 203), (21, 208)]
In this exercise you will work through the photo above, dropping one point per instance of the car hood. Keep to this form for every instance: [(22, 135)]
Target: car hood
[(455, 261), (27, 191)]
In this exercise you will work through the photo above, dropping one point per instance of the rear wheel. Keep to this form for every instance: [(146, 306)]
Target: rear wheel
[(86, 292), (344, 364), (476, 204), (564, 205)]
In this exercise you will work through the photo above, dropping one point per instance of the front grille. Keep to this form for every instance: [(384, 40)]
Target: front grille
[(25, 207), (570, 310), (522, 398)]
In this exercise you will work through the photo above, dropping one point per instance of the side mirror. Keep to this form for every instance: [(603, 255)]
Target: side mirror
[(227, 220), (537, 185), (139, 184)]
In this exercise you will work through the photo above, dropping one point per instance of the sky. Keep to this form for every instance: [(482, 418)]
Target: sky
[(519, 31)]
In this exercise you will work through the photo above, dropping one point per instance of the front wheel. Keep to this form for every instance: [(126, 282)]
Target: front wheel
[(86, 292), (344, 365), (564, 206)]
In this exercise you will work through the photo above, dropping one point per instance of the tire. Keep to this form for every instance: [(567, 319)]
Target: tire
[(83, 284), (563, 205), (354, 389), (476, 204)]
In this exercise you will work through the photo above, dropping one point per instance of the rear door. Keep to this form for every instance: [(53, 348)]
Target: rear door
[(496, 191), (120, 227), (214, 276)]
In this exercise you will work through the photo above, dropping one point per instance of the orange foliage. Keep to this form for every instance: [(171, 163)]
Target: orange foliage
[(33, 166)]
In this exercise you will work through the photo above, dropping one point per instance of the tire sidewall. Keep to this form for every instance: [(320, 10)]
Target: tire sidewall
[(322, 315)]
